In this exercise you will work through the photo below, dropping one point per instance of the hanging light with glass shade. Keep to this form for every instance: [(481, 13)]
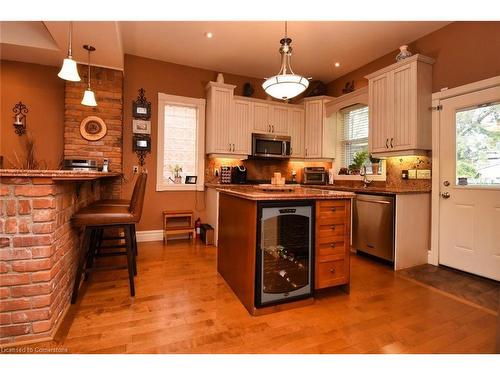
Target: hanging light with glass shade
[(69, 71), (286, 84), (88, 95)]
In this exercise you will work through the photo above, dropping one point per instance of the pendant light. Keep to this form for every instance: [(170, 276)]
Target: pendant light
[(286, 84), (88, 95), (69, 71)]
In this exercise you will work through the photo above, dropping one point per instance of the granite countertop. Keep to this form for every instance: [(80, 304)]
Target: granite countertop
[(360, 189), (253, 193), (57, 175), (374, 189)]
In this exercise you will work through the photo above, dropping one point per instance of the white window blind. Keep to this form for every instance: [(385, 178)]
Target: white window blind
[(352, 133), (179, 143)]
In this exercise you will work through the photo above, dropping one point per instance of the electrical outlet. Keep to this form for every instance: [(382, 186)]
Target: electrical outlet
[(423, 174), (412, 174), (135, 169)]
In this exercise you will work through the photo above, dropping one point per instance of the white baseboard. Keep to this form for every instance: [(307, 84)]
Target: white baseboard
[(149, 235), (155, 235)]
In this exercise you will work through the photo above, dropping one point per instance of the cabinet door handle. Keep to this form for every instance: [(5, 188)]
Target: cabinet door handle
[(269, 128), (332, 244), (332, 227), (306, 151), (273, 128), (334, 209), (230, 147), (332, 270), (392, 139), (387, 143)]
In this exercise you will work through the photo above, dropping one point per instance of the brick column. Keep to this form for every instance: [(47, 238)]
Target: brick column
[(38, 253)]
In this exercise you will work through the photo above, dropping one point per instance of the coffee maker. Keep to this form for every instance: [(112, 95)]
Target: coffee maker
[(239, 175)]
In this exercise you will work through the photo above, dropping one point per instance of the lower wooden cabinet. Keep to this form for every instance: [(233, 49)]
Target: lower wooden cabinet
[(332, 250)]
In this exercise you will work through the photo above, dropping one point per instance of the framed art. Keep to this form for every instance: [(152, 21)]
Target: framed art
[(141, 108), (141, 127), (93, 128), (191, 180)]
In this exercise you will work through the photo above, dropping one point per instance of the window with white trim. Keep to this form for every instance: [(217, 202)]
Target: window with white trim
[(181, 140), (353, 133)]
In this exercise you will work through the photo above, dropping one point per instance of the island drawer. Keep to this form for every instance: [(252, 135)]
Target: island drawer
[(331, 230), (331, 209), (331, 273), (334, 247)]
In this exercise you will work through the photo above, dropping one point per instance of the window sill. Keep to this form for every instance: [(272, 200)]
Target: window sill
[(180, 187), (347, 177)]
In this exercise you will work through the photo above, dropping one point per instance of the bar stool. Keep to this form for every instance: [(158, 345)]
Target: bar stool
[(118, 202), (95, 218)]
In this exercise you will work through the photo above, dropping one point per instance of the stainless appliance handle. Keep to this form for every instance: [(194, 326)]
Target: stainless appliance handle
[(284, 148), (372, 201)]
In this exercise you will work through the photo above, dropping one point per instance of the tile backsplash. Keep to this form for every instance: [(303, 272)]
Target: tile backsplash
[(263, 169)]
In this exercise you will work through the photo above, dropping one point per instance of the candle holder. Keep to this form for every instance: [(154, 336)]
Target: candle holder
[(20, 110)]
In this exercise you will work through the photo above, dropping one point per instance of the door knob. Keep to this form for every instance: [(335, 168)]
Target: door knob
[(445, 195)]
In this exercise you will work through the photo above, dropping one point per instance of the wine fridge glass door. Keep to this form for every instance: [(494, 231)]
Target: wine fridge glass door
[(284, 254)]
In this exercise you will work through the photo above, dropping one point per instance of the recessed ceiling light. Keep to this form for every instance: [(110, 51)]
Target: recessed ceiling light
[(209, 34), (337, 64)]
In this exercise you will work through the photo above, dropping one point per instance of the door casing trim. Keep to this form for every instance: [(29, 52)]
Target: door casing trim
[(433, 256)]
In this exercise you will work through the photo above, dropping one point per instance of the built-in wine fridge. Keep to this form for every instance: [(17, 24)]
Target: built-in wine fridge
[(285, 243)]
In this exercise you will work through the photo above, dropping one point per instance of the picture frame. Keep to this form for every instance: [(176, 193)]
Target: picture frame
[(141, 126), (141, 143), (141, 110), (191, 180)]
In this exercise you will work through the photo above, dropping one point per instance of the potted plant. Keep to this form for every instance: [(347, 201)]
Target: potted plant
[(375, 164), (176, 171), (358, 160)]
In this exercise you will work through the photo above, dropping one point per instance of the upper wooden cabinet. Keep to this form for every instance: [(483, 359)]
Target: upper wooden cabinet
[(320, 131), (270, 118), (296, 131), (228, 121), (399, 107)]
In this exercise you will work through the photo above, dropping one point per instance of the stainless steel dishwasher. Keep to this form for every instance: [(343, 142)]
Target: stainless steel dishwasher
[(373, 225)]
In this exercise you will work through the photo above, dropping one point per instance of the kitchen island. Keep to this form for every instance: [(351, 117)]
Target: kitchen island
[(39, 247), (276, 248)]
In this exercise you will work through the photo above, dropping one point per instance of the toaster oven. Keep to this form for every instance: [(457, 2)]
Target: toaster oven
[(314, 176)]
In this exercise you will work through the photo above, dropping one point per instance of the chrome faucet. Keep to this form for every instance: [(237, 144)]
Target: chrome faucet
[(366, 181)]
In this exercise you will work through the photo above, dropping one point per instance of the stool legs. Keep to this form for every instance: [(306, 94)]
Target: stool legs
[(130, 258), (83, 252)]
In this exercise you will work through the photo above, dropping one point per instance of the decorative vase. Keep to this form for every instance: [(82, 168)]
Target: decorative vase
[(375, 167), (177, 179), (403, 53), (220, 78)]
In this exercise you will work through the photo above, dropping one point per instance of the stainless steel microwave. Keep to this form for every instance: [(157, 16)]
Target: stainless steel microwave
[(314, 176), (271, 146)]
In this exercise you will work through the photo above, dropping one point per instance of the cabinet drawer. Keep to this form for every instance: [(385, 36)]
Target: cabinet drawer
[(330, 230), (331, 273), (326, 249), (331, 209)]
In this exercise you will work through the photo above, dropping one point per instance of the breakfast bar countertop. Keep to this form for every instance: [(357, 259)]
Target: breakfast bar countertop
[(253, 193), (56, 174)]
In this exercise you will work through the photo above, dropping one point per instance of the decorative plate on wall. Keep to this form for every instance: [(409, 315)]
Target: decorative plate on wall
[(93, 128)]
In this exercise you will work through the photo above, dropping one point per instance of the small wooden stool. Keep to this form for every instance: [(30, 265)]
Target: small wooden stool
[(177, 222)]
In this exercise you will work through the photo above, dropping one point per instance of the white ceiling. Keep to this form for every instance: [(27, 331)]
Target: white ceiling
[(245, 47)]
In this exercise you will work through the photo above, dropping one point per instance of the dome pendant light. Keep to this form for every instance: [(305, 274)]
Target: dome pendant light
[(286, 84), (88, 95), (69, 71)]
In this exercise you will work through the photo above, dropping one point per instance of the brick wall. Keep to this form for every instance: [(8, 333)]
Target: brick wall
[(38, 253), (107, 85)]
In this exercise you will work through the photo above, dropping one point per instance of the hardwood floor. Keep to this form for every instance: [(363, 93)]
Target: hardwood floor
[(183, 306)]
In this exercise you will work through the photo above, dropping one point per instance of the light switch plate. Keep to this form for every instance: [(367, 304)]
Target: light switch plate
[(423, 174)]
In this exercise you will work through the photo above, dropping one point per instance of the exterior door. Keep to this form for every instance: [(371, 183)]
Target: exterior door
[(469, 164)]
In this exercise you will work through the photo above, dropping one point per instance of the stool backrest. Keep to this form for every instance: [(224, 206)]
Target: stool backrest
[(137, 201), (136, 189)]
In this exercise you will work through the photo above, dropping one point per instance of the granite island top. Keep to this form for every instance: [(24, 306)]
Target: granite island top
[(253, 193), (57, 175), (359, 189)]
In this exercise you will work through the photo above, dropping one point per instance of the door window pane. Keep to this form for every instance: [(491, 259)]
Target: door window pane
[(478, 145)]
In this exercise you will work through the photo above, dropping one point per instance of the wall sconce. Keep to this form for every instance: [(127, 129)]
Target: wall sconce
[(20, 110)]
